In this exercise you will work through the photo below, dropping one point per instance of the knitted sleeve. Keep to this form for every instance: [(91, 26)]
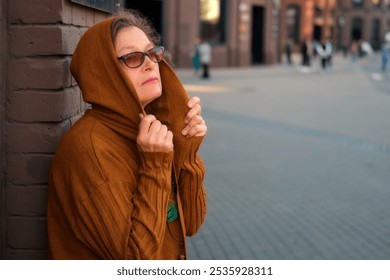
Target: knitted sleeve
[(127, 220), (192, 192)]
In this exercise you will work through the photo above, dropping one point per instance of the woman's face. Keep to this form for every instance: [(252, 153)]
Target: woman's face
[(145, 78)]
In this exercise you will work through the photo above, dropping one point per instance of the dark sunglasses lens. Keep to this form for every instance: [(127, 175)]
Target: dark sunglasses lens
[(134, 59), (156, 54)]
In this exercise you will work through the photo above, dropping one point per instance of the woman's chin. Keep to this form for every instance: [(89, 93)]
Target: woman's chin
[(151, 97)]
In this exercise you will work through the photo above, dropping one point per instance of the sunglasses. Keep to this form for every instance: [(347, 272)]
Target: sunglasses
[(136, 59)]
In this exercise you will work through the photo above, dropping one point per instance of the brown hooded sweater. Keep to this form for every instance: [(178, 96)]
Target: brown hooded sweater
[(106, 199)]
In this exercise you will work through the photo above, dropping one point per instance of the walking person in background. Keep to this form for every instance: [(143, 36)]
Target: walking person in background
[(324, 50), (314, 52), (126, 181), (354, 50), (205, 58), (384, 56), (330, 47), (288, 50), (195, 56), (305, 52)]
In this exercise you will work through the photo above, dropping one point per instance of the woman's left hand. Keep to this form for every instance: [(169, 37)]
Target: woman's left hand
[(195, 124)]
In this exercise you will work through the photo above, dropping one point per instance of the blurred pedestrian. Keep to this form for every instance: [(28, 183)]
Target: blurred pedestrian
[(288, 50), (314, 59), (384, 56), (366, 49), (325, 50), (354, 50), (205, 58), (331, 50), (195, 56), (305, 52)]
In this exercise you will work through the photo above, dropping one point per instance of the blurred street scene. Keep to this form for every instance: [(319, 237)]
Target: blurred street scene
[(296, 95), (298, 162)]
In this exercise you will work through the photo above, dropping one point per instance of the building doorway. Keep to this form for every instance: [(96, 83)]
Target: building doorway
[(317, 33), (257, 35), (152, 9)]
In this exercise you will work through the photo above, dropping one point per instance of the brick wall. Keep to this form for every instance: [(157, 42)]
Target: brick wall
[(3, 33), (42, 102)]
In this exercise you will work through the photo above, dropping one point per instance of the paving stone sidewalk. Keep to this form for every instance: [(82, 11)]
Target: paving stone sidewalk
[(298, 163)]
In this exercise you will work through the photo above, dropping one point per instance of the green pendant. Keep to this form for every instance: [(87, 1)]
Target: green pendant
[(173, 214)]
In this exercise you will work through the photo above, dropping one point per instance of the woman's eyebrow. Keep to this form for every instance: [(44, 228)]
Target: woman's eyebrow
[(134, 48)]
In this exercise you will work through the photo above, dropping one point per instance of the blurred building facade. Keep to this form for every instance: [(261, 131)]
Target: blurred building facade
[(241, 32), (306, 20), (366, 20)]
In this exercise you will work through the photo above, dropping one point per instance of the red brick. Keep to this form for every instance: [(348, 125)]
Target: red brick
[(44, 106), (26, 201), (28, 169), (27, 233), (35, 138), (35, 40), (99, 16), (70, 38), (44, 40), (35, 11), (39, 73)]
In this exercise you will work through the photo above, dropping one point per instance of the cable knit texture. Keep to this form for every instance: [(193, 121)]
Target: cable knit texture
[(107, 200)]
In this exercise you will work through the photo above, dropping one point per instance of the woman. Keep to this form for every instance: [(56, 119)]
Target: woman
[(195, 56), (205, 58), (126, 180), (385, 56)]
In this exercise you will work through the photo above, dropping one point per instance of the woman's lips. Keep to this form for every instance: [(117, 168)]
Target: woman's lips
[(150, 80)]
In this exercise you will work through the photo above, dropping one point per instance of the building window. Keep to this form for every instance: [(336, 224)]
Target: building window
[(293, 14), (376, 3), (318, 11), (213, 20), (375, 34), (357, 28), (357, 3)]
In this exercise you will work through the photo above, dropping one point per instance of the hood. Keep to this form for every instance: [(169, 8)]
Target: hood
[(114, 100)]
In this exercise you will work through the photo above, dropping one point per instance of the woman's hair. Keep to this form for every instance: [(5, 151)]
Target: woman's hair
[(135, 18)]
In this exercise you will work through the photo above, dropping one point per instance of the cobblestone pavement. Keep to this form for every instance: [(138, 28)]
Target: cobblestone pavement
[(298, 163)]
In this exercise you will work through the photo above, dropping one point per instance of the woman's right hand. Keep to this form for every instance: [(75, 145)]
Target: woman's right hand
[(153, 136)]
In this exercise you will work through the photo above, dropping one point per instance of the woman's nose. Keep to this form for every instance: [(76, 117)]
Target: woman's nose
[(148, 63)]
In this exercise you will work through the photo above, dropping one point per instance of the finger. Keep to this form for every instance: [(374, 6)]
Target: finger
[(169, 139), (197, 130), (145, 123), (193, 101), (163, 131), (196, 110), (169, 136), (155, 127), (196, 120)]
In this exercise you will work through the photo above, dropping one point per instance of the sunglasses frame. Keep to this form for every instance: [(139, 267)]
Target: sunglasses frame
[(145, 53)]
